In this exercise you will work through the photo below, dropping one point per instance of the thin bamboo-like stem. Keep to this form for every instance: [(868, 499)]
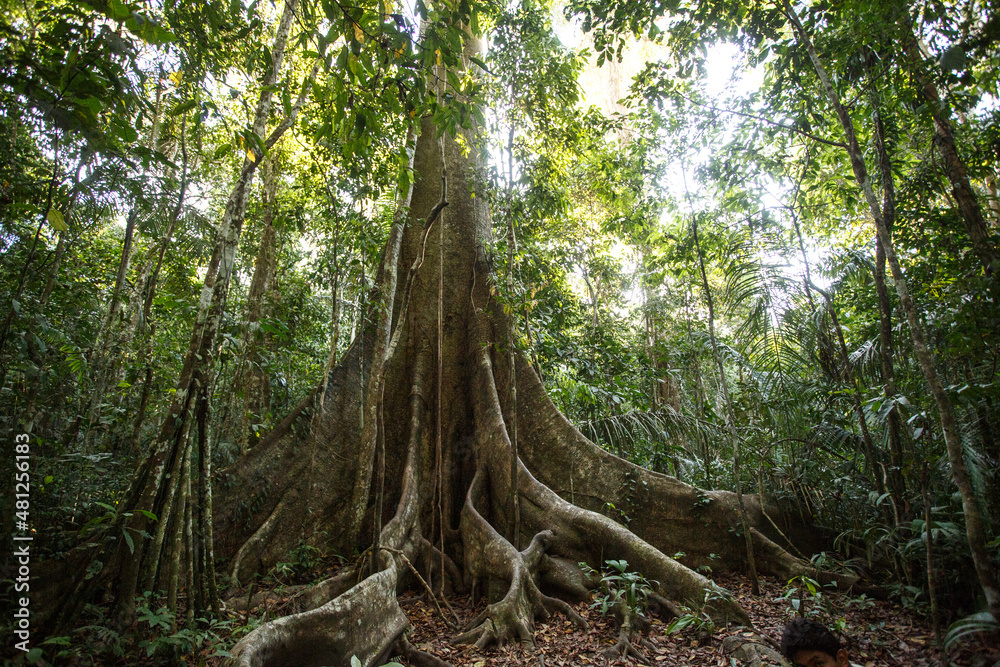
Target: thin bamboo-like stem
[(724, 384), (177, 534), (929, 555)]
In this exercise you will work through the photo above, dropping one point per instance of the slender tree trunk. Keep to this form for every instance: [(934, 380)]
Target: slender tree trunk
[(22, 278), (124, 261), (144, 310), (944, 137), (336, 305), (929, 555), (251, 380), (897, 482), (152, 488), (823, 341), (730, 414), (50, 284), (515, 511), (106, 353), (699, 390), (871, 454), (974, 525)]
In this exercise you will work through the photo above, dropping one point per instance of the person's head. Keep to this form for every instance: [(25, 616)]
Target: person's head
[(810, 644)]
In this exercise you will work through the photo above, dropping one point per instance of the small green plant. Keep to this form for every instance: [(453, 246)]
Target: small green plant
[(707, 569), (302, 560), (701, 501), (159, 640), (695, 619), (615, 513), (619, 586), (805, 596), (862, 602)]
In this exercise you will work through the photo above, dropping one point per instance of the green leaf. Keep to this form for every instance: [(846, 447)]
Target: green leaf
[(119, 11), (128, 540), (57, 221), (91, 103), (953, 59), (57, 641), (183, 107)]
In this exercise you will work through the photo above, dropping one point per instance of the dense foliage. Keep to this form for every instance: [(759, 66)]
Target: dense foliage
[(124, 126)]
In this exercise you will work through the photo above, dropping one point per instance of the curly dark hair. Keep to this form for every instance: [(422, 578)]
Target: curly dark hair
[(803, 634)]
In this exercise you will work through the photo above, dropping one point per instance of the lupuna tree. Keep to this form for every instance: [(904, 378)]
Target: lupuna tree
[(412, 461), (407, 451)]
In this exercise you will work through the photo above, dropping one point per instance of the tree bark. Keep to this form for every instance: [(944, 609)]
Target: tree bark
[(896, 479), (144, 307), (871, 453), (251, 381)]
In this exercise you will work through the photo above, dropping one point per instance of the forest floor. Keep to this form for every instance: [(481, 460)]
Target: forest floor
[(877, 633)]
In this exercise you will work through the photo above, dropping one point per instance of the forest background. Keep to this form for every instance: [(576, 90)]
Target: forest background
[(688, 258)]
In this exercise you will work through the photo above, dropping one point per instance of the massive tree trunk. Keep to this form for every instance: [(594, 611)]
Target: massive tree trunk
[(417, 417)]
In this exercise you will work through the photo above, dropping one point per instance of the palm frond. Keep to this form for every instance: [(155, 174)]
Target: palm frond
[(866, 360), (983, 622), (621, 433)]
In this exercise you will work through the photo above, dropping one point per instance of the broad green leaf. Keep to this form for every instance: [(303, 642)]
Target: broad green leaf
[(183, 107), (57, 221)]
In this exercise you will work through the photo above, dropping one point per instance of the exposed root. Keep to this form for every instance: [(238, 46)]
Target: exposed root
[(754, 651), (415, 656), (566, 577), (362, 622), (631, 626), (592, 537), (489, 556), (665, 608), (451, 580), (248, 557), (666, 513)]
